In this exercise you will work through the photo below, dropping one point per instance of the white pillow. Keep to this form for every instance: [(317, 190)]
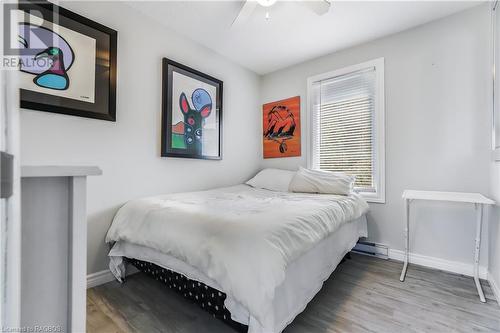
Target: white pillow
[(272, 179), (326, 182)]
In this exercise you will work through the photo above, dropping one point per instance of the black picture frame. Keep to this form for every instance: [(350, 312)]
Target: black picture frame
[(168, 68), (104, 105)]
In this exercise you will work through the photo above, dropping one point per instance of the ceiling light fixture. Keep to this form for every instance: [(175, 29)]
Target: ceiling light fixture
[(266, 3)]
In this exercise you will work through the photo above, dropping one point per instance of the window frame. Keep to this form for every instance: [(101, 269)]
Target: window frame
[(377, 196)]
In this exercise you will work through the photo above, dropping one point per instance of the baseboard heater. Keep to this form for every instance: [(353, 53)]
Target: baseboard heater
[(372, 249)]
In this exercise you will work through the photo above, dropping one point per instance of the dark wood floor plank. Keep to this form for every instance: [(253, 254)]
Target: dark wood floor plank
[(363, 295)]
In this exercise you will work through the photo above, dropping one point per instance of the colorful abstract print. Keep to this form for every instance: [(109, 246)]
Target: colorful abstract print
[(281, 125), (187, 134)]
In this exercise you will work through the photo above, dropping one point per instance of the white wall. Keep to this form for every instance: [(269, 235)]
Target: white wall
[(128, 150), (437, 126)]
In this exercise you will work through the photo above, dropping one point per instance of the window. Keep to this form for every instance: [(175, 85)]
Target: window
[(346, 109)]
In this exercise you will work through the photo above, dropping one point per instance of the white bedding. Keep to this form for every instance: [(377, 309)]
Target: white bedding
[(242, 238)]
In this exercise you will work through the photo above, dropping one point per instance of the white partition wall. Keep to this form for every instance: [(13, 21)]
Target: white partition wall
[(54, 247)]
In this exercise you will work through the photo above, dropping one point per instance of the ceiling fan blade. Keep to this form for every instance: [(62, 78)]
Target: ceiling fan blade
[(320, 7), (246, 10)]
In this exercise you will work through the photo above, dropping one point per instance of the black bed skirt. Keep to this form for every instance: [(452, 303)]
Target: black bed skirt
[(208, 298)]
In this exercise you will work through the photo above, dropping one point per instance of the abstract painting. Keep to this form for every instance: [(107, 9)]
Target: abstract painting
[(67, 63), (192, 113), (281, 128)]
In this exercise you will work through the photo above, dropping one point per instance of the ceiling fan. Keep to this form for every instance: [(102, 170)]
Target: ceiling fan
[(320, 7)]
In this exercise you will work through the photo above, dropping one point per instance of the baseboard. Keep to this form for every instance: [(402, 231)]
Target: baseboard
[(495, 286), (98, 278), (441, 264), (105, 276)]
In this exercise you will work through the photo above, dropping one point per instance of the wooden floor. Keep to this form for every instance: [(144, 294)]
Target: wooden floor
[(363, 295)]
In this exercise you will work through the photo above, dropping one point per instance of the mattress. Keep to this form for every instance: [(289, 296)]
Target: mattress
[(303, 279)]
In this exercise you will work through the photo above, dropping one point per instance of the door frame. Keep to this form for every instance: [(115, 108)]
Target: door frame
[(10, 224)]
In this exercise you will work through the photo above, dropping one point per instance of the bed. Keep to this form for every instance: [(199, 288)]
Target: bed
[(266, 253)]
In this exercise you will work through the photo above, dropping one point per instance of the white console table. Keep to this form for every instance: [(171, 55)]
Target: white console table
[(477, 199), (54, 246)]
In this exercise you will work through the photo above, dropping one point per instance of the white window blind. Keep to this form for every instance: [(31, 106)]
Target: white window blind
[(344, 125)]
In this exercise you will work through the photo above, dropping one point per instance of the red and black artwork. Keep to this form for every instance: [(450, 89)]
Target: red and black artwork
[(281, 124)]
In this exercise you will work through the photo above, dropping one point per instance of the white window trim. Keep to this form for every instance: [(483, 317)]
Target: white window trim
[(379, 150)]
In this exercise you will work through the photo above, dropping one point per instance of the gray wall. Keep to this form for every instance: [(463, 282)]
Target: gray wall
[(128, 151), (437, 126)]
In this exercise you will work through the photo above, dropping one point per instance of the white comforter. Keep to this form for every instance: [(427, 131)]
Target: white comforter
[(242, 238)]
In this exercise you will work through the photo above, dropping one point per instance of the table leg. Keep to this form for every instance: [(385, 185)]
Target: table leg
[(407, 240), (479, 220)]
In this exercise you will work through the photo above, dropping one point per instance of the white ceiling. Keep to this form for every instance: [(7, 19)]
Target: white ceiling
[(293, 33)]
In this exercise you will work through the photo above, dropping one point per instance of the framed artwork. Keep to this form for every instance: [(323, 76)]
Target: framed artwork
[(192, 113), (67, 62), (281, 125)]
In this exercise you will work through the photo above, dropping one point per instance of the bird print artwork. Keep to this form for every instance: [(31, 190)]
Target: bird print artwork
[(50, 66), (55, 77)]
